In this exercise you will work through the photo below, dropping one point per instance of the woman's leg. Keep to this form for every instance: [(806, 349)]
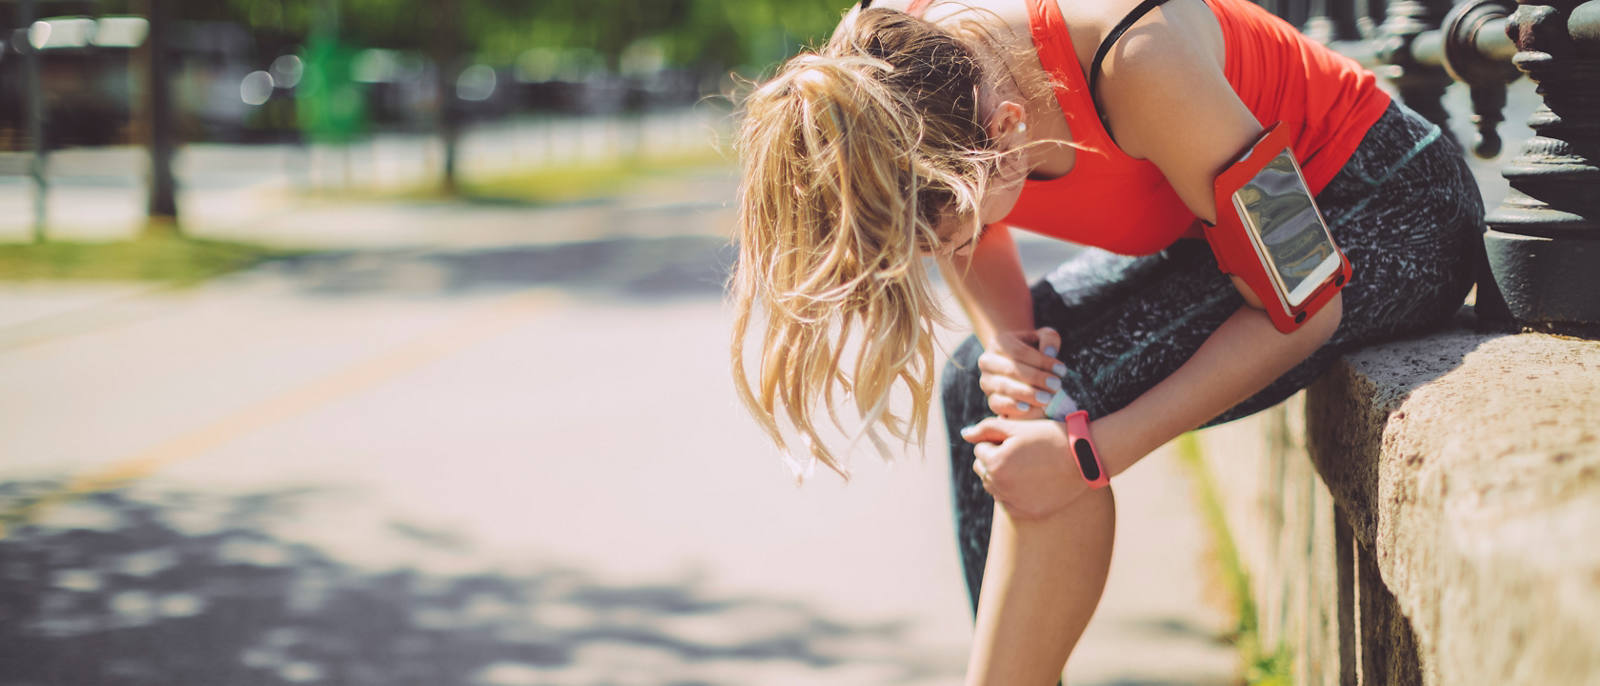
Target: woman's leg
[(1035, 584), (1046, 577)]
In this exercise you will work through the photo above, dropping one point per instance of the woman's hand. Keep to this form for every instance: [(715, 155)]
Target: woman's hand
[(1025, 465), (1020, 373)]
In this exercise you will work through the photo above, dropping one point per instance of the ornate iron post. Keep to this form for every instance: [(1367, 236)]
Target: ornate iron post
[(1544, 240), (1407, 41), (1543, 243), (1478, 53)]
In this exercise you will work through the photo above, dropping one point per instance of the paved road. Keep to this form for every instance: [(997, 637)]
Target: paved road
[(490, 456)]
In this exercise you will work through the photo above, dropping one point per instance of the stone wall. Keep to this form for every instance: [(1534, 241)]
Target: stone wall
[(1427, 513)]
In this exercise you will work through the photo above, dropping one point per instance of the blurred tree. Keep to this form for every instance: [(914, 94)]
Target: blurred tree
[(35, 109), (162, 202), (446, 54)]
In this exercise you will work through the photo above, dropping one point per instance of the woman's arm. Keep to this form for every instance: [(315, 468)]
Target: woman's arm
[(1168, 102), (990, 286), (1240, 358), (1020, 374)]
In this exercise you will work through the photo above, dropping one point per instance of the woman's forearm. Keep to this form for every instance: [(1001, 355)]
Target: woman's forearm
[(1240, 358), (990, 286)]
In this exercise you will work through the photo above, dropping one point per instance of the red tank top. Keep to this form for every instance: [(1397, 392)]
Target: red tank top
[(1124, 205)]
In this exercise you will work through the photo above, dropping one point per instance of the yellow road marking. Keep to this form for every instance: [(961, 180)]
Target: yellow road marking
[(480, 325)]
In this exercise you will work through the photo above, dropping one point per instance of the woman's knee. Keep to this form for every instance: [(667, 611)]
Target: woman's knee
[(1090, 516), (1097, 505)]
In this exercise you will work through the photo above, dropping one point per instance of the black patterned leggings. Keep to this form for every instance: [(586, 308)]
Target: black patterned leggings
[(1405, 210)]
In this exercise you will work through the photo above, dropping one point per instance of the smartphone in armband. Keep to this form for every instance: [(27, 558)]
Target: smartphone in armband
[(1270, 234)]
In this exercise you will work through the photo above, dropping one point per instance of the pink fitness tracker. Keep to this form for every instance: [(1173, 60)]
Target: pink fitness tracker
[(1083, 451)]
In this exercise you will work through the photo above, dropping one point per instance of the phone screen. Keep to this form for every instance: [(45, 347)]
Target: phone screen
[(1283, 221)]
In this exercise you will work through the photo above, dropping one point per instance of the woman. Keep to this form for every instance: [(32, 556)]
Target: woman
[(923, 130)]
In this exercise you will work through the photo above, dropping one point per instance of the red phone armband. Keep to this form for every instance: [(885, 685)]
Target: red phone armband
[(1270, 234), (1083, 451)]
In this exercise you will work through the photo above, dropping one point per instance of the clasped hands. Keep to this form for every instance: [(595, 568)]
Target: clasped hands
[(1022, 456)]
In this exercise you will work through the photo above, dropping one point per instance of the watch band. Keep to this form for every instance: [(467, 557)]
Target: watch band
[(1084, 453)]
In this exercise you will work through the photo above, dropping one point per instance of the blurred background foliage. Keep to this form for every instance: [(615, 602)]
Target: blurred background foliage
[(503, 57), (688, 32), (701, 34), (86, 73)]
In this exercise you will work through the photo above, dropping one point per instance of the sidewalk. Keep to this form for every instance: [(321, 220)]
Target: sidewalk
[(539, 398), (98, 194)]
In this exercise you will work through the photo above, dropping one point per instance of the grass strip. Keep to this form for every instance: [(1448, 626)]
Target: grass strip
[(168, 258), (1261, 667), (592, 180), (549, 184)]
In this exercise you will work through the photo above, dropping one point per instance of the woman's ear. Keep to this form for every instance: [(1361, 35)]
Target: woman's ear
[(1008, 118)]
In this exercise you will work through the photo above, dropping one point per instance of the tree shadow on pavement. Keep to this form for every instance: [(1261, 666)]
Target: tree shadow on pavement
[(161, 587), (653, 269)]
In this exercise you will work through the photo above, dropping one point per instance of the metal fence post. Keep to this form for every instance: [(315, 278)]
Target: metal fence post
[(1544, 239), (1406, 40)]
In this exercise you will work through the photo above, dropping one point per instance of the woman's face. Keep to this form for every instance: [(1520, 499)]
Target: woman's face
[(1003, 119), (957, 232)]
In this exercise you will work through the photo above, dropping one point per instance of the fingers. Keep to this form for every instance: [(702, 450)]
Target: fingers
[(1015, 390), (1006, 397), (980, 465), (981, 468), (1003, 375), (1032, 355), (1049, 344), (1010, 408), (991, 430), (984, 455)]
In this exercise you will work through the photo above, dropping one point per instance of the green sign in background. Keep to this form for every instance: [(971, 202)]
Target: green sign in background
[(331, 105)]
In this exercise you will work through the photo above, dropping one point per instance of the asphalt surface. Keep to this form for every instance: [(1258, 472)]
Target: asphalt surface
[(487, 451)]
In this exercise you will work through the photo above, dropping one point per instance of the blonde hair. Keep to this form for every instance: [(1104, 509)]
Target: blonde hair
[(850, 156)]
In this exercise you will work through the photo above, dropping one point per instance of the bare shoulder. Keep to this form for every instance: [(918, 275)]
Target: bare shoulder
[(1167, 100), (1189, 21), (1170, 60)]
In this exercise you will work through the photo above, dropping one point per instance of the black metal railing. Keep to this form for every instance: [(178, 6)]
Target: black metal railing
[(1543, 243)]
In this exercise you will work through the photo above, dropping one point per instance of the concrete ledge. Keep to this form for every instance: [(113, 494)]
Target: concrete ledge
[(1445, 529), (1469, 467)]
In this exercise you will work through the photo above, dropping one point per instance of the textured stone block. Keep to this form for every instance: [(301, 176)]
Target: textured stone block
[(1445, 529), (1469, 466)]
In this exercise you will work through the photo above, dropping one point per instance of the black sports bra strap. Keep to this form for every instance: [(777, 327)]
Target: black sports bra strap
[(1105, 45)]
